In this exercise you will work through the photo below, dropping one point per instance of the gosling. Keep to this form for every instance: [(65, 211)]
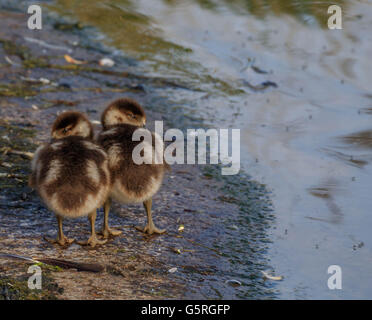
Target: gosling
[(71, 174), (130, 182)]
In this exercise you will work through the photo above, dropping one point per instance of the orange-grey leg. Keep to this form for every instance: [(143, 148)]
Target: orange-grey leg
[(93, 240), (150, 227), (61, 238), (107, 231)]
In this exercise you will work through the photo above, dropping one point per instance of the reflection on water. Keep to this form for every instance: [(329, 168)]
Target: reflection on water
[(361, 139), (307, 137), (327, 191), (349, 159), (137, 34), (307, 11)]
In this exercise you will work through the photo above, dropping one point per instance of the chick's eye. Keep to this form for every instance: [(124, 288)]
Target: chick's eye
[(65, 130)]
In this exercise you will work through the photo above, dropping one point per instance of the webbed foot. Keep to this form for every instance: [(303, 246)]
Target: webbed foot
[(150, 229), (108, 232), (62, 241), (92, 241)]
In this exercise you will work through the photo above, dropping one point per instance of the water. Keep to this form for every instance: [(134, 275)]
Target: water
[(308, 140)]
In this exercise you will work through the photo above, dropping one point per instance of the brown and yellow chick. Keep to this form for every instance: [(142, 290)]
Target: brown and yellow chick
[(130, 182), (71, 173)]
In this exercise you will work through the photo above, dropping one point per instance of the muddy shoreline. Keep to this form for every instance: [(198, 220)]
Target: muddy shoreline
[(136, 266)]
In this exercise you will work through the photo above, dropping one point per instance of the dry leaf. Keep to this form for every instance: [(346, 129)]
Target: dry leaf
[(70, 59), (275, 278)]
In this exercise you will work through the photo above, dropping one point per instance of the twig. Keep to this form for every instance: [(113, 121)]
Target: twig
[(24, 154), (57, 262)]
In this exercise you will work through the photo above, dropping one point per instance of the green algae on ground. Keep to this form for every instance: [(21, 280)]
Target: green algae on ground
[(17, 288), (64, 26), (11, 48), (30, 61), (11, 289), (16, 90)]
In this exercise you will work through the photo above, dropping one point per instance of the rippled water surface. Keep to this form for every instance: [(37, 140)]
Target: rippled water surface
[(301, 95)]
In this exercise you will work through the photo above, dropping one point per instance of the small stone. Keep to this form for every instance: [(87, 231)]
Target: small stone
[(106, 62), (44, 80), (233, 283)]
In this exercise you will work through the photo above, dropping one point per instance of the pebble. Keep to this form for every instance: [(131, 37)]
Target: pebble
[(233, 283), (106, 62)]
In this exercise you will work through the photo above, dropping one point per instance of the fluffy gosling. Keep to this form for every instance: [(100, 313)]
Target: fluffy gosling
[(71, 174), (130, 182)]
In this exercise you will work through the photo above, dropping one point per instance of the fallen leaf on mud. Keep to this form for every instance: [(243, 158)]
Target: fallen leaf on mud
[(172, 270), (70, 59), (275, 278)]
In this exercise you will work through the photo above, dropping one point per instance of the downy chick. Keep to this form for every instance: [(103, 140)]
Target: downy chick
[(131, 182), (71, 173)]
